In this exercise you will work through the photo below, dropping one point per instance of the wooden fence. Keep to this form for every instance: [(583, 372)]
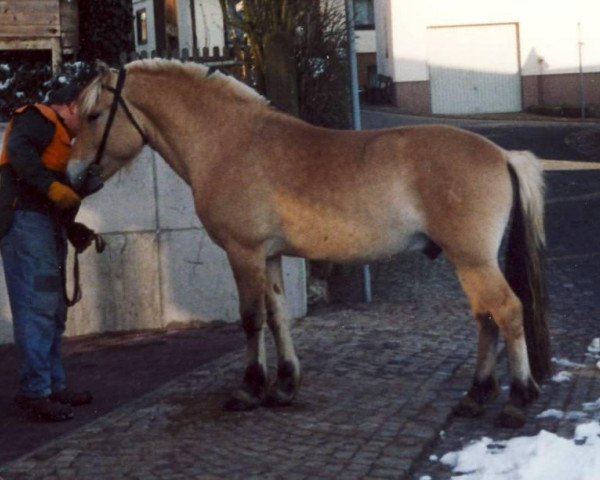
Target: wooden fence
[(232, 60)]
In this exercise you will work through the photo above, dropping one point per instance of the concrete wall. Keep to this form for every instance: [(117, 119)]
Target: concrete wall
[(160, 268)]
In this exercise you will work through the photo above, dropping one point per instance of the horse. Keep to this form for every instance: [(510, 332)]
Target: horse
[(266, 184)]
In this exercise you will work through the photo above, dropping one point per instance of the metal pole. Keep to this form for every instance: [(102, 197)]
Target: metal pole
[(356, 124), (353, 67)]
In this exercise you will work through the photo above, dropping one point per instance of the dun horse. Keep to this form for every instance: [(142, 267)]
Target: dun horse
[(266, 184)]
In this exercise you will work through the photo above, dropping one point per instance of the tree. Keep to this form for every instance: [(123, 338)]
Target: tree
[(105, 29), (317, 37)]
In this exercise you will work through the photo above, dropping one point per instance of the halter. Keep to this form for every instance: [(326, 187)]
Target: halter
[(117, 100)]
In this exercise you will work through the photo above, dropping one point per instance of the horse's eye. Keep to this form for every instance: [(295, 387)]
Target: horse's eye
[(93, 117)]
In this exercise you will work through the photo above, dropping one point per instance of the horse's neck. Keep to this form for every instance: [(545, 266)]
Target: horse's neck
[(191, 144)]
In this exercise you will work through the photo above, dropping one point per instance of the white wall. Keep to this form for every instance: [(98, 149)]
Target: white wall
[(160, 268), (209, 24), (149, 6), (548, 30), (365, 41)]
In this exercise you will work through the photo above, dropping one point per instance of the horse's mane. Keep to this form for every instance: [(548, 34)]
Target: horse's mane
[(196, 72)]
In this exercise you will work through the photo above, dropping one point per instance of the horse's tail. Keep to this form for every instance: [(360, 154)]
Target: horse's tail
[(525, 257)]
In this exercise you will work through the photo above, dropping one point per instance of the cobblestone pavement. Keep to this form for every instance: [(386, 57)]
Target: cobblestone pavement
[(379, 384)]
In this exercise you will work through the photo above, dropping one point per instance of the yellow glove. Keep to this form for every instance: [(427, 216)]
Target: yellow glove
[(63, 196)]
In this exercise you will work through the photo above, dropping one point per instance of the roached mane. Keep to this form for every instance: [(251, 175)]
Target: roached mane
[(229, 85)]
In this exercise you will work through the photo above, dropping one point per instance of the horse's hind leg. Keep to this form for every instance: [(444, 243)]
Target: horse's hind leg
[(284, 388), (249, 270), (485, 386), (497, 308)]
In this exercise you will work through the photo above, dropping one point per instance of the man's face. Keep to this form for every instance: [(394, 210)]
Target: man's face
[(71, 118)]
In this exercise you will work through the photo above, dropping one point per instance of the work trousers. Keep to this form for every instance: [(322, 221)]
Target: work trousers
[(34, 254)]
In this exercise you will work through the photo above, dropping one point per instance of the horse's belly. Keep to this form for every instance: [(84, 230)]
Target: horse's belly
[(343, 241)]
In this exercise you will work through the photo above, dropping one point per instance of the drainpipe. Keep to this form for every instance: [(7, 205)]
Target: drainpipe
[(194, 33), (356, 124)]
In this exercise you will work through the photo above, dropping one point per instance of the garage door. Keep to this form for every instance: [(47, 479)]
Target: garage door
[(474, 69)]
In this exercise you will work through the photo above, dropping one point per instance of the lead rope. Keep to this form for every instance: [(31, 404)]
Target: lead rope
[(100, 245)]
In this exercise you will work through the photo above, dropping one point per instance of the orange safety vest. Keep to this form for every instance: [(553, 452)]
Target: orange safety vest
[(57, 153)]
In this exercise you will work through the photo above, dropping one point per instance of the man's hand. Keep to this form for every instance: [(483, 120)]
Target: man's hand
[(63, 196), (80, 236)]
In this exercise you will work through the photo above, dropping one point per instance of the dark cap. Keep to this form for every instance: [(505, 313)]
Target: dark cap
[(63, 94)]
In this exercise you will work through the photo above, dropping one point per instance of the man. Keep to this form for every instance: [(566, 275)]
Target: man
[(37, 210)]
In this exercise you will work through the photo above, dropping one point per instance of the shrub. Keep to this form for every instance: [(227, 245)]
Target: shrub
[(24, 83), (105, 30)]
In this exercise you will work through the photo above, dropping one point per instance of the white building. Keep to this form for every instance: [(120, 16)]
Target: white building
[(170, 25), (364, 29), (469, 56)]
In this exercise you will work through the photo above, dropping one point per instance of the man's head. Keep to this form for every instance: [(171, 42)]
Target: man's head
[(63, 100)]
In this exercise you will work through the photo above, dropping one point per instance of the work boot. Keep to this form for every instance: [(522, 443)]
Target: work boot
[(69, 397), (43, 409)]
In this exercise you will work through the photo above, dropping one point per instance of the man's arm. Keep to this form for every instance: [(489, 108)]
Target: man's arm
[(30, 135)]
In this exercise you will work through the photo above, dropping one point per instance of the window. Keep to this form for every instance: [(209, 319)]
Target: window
[(141, 22), (364, 15)]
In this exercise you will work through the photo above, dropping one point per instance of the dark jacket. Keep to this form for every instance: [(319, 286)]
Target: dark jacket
[(30, 134)]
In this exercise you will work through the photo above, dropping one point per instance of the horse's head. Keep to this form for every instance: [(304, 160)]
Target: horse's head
[(110, 133)]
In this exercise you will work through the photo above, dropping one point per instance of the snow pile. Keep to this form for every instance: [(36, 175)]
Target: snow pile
[(545, 456)]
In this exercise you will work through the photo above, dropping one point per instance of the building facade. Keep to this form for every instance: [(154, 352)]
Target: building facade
[(469, 56), (172, 25), (49, 27)]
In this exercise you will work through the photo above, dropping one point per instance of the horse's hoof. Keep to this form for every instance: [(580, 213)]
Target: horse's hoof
[(283, 390), (511, 417), (468, 408), (522, 395), (241, 401), (277, 398)]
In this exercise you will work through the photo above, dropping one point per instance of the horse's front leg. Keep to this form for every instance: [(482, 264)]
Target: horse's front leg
[(249, 270), (285, 386)]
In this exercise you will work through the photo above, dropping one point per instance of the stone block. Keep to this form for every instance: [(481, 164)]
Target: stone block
[(175, 202), (197, 282), (127, 203), (120, 286)]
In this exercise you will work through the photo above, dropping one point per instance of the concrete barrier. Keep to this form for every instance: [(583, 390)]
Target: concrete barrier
[(160, 268)]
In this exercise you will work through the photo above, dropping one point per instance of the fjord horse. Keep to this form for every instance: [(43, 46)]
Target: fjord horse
[(266, 184)]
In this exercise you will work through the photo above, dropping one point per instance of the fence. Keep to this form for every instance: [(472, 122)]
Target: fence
[(232, 60)]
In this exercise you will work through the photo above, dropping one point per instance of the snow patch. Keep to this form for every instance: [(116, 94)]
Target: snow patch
[(544, 456), (551, 413), (562, 376)]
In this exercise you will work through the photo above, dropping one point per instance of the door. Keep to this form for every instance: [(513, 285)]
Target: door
[(474, 69)]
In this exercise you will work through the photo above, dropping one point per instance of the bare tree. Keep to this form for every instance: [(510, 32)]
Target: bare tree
[(316, 30)]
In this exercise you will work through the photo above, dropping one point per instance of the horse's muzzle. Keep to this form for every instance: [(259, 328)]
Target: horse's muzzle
[(76, 172), (85, 179)]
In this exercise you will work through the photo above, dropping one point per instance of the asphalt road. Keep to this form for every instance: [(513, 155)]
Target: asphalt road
[(547, 139)]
